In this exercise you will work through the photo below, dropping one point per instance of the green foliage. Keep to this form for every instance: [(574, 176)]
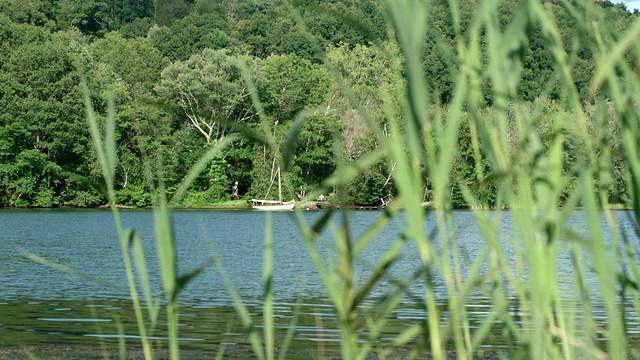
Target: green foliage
[(42, 127), (37, 12), (138, 28), (135, 61), (134, 195), (314, 152), (208, 90), (332, 57), (22, 179), (369, 188), (97, 17), (200, 198), (79, 192), (276, 31), (219, 182), (122, 12), (471, 171), (292, 84), (167, 11), (84, 15), (191, 35)]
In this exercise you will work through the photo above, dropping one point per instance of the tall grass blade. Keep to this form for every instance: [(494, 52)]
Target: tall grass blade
[(153, 305), (244, 314), (60, 267), (165, 244), (267, 282), (292, 138)]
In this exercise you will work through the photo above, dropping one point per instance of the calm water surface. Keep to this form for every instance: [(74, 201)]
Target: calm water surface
[(40, 305)]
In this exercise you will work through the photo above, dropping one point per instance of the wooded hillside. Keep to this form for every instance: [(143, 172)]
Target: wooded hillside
[(178, 70)]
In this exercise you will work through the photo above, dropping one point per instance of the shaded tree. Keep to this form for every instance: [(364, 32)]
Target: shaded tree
[(41, 121), (209, 91), (190, 35)]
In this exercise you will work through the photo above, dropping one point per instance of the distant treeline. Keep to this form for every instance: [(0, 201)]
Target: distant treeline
[(176, 71)]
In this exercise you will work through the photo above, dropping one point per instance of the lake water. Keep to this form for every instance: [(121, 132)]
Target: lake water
[(41, 306)]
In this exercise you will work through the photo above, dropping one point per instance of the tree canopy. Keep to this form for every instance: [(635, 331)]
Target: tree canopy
[(179, 71)]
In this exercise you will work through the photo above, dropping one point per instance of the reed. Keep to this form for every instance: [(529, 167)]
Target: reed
[(530, 179)]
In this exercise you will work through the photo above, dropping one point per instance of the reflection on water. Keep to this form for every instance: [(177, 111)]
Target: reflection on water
[(206, 329), (40, 306), (76, 322)]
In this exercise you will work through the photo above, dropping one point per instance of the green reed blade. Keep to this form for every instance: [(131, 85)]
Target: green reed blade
[(381, 269), (125, 241), (329, 279), (122, 343), (165, 247), (292, 137), (98, 143), (319, 225), (384, 308), (110, 137), (143, 276), (184, 279), (40, 260), (267, 283), (408, 335), (609, 58), (244, 314), (387, 215), (291, 329), (603, 259)]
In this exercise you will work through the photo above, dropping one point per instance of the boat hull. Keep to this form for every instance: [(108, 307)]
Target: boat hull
[(287, 206)]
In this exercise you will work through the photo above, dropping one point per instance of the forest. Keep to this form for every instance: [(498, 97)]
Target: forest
[(187, 75)]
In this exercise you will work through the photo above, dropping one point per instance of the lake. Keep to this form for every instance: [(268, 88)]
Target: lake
[(41, 306)]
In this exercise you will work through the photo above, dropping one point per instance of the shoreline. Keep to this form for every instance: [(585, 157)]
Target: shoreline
[(306, 206)]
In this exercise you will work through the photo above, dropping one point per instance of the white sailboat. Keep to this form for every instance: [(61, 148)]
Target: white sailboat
[(273, 205)]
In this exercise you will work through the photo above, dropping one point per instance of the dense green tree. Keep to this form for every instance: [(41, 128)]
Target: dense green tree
[(209, 91), (440, 60), (191, 35), (31, 179), (135, 61), (137, 28), (35, 12), (166, 11), (14, 35), (118, 12), (129, 69), (277, 32), (470, 169), (371, 187), (314, 154), (359, 22), (84, 15), (41, 121), (292, 84), (307, 28), (254, 33), (371, 77)]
